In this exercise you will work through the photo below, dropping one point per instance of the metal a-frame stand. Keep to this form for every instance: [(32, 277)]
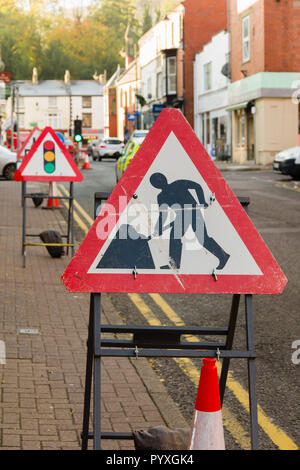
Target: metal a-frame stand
[(70, 228), (157, 341)]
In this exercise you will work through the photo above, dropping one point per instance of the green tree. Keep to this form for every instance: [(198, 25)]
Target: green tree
[(147, 19)]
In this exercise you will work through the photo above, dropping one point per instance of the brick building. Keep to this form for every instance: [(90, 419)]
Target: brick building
[(202, 19), (265, 73)]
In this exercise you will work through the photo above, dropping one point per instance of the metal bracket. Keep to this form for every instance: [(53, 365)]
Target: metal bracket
[(134, 272), (218, 354), (136, 352), (212, 199), (215, 274)]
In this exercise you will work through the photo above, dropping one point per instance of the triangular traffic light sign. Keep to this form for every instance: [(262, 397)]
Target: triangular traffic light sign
[(48, 160), (172, 224), (28, 143)]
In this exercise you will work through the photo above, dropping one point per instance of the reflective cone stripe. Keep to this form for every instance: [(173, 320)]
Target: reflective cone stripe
[(207, 428), (86, 165), (52, 192)]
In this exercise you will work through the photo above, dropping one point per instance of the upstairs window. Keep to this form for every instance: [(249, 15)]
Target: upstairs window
[(86, 101), (246, 39), (171, 76), (207, 76)]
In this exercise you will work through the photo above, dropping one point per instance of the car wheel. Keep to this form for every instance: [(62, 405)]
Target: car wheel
[(9, 171)]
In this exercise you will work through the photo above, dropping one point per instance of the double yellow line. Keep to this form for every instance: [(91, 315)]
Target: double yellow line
[(275, 434)]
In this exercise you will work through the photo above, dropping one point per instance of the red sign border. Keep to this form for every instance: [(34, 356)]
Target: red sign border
[(18, 174), (19, 154), (272, 281)]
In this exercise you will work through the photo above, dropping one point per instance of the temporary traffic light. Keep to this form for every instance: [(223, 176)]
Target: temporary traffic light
[(78, 130), (49, 156)]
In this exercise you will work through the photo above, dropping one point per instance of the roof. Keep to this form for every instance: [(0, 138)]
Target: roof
[(114, 77), (59, 88)]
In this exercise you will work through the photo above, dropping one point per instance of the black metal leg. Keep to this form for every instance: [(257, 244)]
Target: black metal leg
[(72, 216), (24, 226), (97, 372), (229, 343), (251, 372), (88, 377)]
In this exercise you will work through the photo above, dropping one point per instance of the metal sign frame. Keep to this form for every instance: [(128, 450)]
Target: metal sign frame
[(70, 226), (166, 342)]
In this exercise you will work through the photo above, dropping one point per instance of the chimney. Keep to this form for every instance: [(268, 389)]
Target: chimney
[(67, 77), (35, 78)]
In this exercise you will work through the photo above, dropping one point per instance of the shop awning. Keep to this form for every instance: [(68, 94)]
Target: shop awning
[(234, 107)]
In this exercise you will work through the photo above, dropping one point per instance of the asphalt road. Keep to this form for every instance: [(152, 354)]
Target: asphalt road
[(275, 211)]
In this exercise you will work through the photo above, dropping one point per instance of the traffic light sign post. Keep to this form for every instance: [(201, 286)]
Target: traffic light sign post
[(69, 236), (78, 130)]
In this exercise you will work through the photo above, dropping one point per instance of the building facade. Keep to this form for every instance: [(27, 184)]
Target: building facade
[(265, 73), (211, 118), (161, 64), (202, 19), (58, 103)]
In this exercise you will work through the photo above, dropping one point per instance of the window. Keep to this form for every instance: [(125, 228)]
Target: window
[(159, 85), (52, 103), (21, 118), (21, 102), (86, 101), (246, 39), (53, 120), (171, 76), (87, 120), (207, 76)]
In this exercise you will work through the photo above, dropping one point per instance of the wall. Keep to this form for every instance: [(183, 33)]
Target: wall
[(276, 127), (202, 19)]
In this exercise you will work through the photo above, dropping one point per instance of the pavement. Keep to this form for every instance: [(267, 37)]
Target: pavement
[(43, 334), (247, 166)]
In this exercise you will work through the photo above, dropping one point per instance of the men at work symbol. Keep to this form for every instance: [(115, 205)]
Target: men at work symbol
[(178, 197), (131, 249)]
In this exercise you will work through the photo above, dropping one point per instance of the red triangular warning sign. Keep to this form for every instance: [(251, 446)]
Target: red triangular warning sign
[(29, 141), (172, 224), (48, 160)]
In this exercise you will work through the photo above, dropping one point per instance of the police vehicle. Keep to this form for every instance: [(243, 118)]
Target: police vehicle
[(131, 147)]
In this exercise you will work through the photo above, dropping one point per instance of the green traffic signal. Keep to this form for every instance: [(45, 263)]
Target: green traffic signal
[(78, 138)]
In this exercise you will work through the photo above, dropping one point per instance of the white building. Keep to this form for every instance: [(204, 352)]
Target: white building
[(161, 63), (212, 121), (57, 103)]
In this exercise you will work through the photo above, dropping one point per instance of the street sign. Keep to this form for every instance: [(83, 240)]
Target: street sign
[(131, 116), (48, 160), (172, 224), (5, 77)]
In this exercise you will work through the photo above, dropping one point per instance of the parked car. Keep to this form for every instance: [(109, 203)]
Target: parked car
[(132, 146), (287, 162), (8, 163), (91, 145), (108, 147)]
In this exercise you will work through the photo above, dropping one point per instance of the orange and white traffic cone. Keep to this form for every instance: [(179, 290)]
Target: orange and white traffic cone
[(86, 165), (207, 428), (52, 202)]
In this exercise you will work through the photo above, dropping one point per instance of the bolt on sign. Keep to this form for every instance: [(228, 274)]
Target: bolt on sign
[(172, 224), (48, 160)]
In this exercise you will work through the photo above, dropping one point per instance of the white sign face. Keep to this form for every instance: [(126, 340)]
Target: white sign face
[(244, 4), (177, 219), (47, 161), (35, 134)]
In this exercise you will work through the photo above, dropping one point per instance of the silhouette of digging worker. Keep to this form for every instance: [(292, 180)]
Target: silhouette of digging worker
[(178, 197)]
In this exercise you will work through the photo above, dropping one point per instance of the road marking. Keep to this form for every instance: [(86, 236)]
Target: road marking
[(2, 353), (77, 218), (287, 186), (279, 437), (190, 370), (78, 206)]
